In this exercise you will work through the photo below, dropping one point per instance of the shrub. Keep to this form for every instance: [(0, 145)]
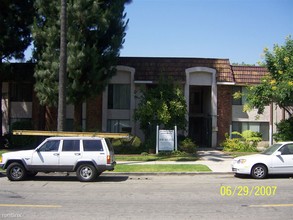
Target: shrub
[(284, 130), (246, 142), (131, 145), (22, 141), (188, 146)]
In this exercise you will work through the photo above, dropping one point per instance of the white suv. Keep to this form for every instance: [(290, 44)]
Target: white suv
[(87, 156)]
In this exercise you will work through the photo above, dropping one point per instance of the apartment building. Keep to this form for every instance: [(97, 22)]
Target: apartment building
[(208, 86)]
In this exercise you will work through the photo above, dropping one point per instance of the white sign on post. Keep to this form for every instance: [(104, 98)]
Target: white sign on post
[(166, 140)]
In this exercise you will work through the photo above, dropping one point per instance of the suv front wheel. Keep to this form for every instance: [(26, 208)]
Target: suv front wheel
[(86, 173), (16, 172)]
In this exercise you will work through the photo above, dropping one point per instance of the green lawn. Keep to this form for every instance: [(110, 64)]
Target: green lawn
[(162, 168), (153, 157)]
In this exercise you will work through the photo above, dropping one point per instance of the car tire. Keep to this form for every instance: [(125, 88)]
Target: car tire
[(86, 173), (16, 172), (259, 171)]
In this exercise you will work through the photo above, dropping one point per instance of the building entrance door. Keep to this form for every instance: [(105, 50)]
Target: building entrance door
[(200, 121)]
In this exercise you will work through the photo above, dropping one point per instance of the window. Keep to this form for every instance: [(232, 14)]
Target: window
[(70, 145), (119, 96), (116, 125), (51, 146), (261, 127), (92, 145), (287, 149), (21, 92), (243, 91)]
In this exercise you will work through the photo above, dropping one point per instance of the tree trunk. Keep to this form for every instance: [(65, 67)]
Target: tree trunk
[(62, 68), (50, 118)]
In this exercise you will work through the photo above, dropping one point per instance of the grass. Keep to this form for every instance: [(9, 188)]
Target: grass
[(153, 157), (162, 168)]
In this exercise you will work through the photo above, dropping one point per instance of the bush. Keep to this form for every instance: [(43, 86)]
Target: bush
[(284, 130), (132, 145), (22, 141), (188, 146), (247, 142)]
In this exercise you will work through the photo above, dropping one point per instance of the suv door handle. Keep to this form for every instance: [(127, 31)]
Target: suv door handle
[(56, 154), (77, 154)]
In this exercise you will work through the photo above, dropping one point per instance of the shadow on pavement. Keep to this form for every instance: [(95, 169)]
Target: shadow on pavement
[(213, 155), (276, 176), (71, 178), (2, 175)]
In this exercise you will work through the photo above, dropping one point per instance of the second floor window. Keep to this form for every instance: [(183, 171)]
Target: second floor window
[(243, 91), (119, 96)]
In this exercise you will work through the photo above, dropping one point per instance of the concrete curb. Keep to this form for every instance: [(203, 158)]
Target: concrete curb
[(164, 173), (3, 174)]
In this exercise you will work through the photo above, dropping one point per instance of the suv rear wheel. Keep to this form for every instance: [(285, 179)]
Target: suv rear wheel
[(86, 173), (16, 172)]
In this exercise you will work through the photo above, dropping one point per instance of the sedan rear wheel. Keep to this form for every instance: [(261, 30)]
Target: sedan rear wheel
[(259, 171)]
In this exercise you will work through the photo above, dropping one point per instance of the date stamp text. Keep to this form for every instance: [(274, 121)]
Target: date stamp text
[(227, 190)]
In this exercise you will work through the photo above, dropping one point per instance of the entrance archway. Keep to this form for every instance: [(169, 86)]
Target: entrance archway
[(201, 96)]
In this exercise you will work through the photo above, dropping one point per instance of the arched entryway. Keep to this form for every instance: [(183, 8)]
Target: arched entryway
[(201, 97)]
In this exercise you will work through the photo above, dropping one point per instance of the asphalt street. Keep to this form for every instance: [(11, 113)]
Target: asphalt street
[(217, 196)]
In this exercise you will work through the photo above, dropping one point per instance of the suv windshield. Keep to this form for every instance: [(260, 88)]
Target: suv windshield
[(271, 149)]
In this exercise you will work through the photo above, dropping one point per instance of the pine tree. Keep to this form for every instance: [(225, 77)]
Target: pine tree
[(96, 31)]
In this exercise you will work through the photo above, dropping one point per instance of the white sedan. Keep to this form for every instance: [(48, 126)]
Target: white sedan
[(277, 159)]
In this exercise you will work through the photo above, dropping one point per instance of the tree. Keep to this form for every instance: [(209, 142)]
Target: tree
[(96, 31), (277, 86), (16, 17), (163, 105)]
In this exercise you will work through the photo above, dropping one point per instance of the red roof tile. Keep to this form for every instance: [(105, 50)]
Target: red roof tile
[(248, 74), (151, 68)]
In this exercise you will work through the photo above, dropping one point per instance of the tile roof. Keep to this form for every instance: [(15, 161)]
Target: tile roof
[(151, 68), (18, 72), (248, 74)]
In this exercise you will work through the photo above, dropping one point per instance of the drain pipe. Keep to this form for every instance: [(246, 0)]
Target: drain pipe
[(271, 124)]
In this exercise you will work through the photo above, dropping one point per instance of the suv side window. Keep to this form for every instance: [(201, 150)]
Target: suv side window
[(92, 145), (70, 145), (50, 146)]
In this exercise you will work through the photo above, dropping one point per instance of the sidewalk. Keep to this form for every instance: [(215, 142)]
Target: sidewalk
[(216, 160)]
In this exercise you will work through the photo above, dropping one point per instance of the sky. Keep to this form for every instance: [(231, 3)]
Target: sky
[(235, 29)]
